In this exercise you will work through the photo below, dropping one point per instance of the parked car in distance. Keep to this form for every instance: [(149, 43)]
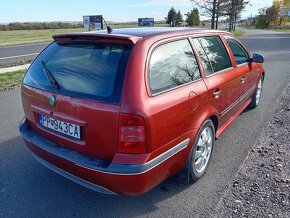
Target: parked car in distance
[(121, 112)]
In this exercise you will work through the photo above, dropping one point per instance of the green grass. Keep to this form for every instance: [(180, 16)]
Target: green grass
[(238, 32), (11, 79), (19, 37)]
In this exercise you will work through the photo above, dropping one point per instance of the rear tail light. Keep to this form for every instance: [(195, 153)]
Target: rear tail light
[(131, 134)]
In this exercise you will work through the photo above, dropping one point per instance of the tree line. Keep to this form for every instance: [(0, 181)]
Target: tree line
[(175, 18), (209, 8), (39, 26)]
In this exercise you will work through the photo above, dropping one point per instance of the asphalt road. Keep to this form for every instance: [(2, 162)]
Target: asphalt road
[(28, 189), (10, 54)]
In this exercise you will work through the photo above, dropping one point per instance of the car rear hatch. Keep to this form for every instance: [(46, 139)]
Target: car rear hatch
[(71, 93)]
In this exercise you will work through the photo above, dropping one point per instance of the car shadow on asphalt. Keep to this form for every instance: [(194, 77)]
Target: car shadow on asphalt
[(27, 187)]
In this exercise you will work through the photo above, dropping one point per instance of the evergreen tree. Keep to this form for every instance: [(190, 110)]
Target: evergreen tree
[(171, 17), (192, 17), (179, 18)]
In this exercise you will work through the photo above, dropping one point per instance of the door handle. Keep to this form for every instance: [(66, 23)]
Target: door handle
[(217, 93), (243, 79)]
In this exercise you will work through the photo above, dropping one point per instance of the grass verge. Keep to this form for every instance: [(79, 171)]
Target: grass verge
[(238, 32), (16, 63), (19, 37), (8, 80)]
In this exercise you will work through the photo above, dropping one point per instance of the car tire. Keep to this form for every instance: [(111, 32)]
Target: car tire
[(201, 150), (257, 96)]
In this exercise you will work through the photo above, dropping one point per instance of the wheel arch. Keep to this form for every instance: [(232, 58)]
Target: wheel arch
[(215, 119), (263, 75)]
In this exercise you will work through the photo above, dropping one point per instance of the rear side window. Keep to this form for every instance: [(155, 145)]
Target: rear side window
[(172, 65), (203, 57), (84, 69), (240, 55), (216, 52)]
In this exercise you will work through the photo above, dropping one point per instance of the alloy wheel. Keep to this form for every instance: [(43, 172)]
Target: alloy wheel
[(203, 149)]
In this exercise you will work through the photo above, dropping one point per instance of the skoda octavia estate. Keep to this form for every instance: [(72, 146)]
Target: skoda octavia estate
[(120, 112)]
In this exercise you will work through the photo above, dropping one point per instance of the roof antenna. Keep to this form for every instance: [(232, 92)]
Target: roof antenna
[(109, 29)]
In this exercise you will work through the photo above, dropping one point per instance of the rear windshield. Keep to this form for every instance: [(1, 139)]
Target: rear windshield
[(83, 69)]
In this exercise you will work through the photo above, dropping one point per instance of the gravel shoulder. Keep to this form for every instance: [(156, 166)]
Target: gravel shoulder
[(261, 187)]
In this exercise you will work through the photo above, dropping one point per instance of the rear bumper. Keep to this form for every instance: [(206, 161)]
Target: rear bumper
[(103, 176), (73, 178)]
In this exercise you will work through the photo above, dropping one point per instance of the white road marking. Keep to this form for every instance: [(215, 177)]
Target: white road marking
[(18, 56), (25, 45)]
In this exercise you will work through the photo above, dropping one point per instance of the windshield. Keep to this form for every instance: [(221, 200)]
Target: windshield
[(84, 69)]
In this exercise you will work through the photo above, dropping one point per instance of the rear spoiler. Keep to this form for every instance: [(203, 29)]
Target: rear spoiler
[(128, 39)]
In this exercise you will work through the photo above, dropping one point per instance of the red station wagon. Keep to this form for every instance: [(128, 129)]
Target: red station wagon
[(120, 112)]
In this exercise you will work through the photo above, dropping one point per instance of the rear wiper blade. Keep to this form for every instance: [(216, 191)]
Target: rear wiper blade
[(50, 77)]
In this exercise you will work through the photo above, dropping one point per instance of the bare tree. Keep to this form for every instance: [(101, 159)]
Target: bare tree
[(237, 6), (221, 8), (208, 8)]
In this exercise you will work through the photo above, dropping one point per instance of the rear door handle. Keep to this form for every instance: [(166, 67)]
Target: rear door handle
[(243, 79), (217, 93)]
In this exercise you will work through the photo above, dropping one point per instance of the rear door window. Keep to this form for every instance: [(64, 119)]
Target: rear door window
[(216, 52), (171, 65), (83, 69)]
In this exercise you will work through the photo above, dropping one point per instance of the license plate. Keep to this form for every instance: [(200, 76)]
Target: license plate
[(59, 126)]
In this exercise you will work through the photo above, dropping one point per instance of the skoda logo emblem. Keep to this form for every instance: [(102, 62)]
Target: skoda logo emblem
[(52, 100)]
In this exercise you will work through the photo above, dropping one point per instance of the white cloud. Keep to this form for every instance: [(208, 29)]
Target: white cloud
[(154, 13), (169, 3), (257, 1)]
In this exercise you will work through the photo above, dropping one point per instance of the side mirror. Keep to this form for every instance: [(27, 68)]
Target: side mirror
[(257, 58)]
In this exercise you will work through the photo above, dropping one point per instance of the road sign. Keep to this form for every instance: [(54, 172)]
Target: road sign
[(285, 12), (146, 21), (86, 22), (94, 22)]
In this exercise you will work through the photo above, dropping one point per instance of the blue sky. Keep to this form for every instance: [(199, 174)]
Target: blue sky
[(113, 10)]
